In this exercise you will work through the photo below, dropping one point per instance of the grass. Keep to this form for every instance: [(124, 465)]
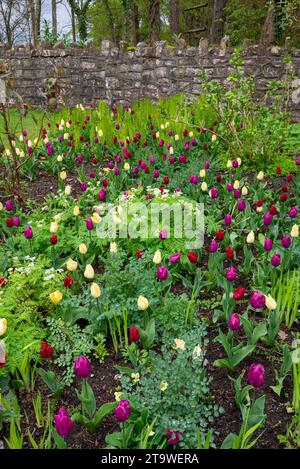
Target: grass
[(31, 123)]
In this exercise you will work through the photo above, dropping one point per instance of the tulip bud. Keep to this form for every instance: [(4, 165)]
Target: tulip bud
[(82, 248), (234, 322), (63, 423), (96, 218), (204, 186), (76, 211), (68, 190), (202, 173), (251, 237), (123, 410), (56, 296), (236, 185), (295, 231), (134, 334), (256, 375), (142, 303), (260, 176), (95, 290), (63, 175), (54, 227), (229, 164), (89, 272), (3, 326), (71, 265), (82, 367), (270, 303), (157, 257), (245, 191)]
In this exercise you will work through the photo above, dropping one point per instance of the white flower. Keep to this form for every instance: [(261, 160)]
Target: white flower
[(157, 257), (251, 237)]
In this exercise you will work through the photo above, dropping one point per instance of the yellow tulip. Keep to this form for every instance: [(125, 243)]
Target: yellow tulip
[(157, 257), (113, 247), (56, 296), (54, 227), (142, 303), (96, 218), (204, 186), (295, 231), (3, 326), (251, 237), (89, 272), (71, 265), (82, 248), (63, 175), (270, 303), (95, 290), (76, 211), (260, 176), (68, 190), (202, 173)]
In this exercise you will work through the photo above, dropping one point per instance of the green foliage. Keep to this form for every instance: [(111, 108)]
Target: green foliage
[(245, 20), (69, 343), (183, 403), (287, 294)]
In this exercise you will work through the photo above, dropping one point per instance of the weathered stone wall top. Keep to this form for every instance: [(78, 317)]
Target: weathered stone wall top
[(115, 74)]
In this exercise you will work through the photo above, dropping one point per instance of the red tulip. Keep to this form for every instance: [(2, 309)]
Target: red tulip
[(192, 257), (134, 334)]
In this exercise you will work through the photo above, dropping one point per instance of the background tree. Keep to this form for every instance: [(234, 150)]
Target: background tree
[(13, 22), (218, 20), (80, 10), (154, 20), (54, 17), (174, 16)]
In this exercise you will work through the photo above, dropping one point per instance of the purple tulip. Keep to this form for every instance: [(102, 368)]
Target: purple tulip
[(171, 160), (83, 186), (9, 205), (28, 233), (30, 150), (206, 165), (297, 161), (293, 213), (16, 220), (89, 224), (123, 410), (228, 219), (187, 146), (230, 187), (268, 244), (276, 260), (241, 205), (118, 159), (162, 273), (235, 163), (194, 179), (156, 173), (234, 322), (152, 159), (116, 171), (257, 300), (163, 234), (237, 194), (231, 274), (174, 258), (286, 242), (161, 143), (82, 367), (96, 139), (79, 159), (102, 195), (111, 165), (256, 375), (268, 219), (136, 170), (214, 193), (63, 422), (213, 246)]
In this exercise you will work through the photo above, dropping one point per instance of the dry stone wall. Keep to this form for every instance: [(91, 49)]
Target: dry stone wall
[(117, 75)]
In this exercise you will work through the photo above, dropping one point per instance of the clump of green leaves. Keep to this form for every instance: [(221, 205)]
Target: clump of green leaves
[(176, 392), (69, 342)]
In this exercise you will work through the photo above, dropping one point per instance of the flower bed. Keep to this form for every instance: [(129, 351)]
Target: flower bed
[(121, 330)]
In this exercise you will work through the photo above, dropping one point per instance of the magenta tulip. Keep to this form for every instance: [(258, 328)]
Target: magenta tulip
[(123, 410), (63, 423), (234, 322), (256, 375), (162, 273), (82, 367), (257, 300)]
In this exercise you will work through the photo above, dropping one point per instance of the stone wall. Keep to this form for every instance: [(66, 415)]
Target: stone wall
[(116, 75)]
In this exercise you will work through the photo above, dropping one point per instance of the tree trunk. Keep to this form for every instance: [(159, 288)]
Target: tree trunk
[(73, 25), (54, 17), (218, 22), (174, 16), (110, 20), (38, 18), (135, 23), (268, 31), (33, 21), (154, 21)]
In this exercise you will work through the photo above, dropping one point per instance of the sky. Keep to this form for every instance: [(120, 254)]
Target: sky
[(63, 16)]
